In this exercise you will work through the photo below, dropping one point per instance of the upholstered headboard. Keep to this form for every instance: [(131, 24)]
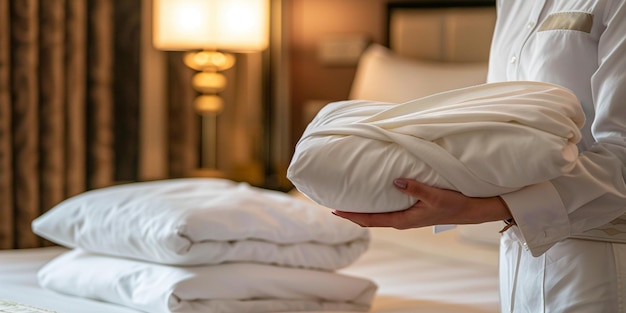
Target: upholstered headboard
[(431, 47), (443, 31)]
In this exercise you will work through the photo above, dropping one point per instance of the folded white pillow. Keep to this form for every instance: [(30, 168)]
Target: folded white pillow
[(483, 141), (198, 221), (241, 287), (383, 75)]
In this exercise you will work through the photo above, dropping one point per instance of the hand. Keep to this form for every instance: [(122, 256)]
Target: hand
[(434, 206)]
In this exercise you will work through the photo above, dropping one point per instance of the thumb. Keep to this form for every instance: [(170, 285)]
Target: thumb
[(413, 188)]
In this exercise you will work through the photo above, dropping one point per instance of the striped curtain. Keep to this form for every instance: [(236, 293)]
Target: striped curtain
[(61, 111), (72, 77)]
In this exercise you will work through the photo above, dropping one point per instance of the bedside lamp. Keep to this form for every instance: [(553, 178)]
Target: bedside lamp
[(207, 28)]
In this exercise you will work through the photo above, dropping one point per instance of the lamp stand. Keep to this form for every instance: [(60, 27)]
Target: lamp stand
[(209, 82)]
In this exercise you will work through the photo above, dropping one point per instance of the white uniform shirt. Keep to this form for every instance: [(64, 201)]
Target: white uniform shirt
[(581, 45)]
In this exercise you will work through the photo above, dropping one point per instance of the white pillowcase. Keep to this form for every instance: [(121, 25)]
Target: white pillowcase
[(199, 221), (385, 76), (483, 141), (233, 287)]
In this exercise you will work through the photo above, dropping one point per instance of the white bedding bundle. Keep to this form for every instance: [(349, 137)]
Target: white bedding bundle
[(204, 245), (484, 140)]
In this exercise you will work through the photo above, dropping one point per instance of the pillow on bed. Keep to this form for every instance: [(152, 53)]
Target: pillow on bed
[(197, 221), (483, 141), (383, 75)]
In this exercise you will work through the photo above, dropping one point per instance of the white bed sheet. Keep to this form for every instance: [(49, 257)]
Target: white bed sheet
[(416, 270)]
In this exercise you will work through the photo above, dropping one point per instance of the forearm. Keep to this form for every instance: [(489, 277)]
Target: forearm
[(481, 210)]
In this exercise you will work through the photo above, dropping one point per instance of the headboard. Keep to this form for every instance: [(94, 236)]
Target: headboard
[(447, 31), (431, 47)]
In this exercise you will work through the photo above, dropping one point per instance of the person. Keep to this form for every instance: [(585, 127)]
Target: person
[(564, 247)]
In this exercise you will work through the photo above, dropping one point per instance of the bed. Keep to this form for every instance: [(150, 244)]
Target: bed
[(416, 271), (386, 270), (395, 271)]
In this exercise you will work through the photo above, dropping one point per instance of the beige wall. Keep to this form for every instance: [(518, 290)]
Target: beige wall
[(308, 22)]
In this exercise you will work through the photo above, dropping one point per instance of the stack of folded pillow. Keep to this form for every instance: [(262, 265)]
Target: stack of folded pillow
[(203, 245)]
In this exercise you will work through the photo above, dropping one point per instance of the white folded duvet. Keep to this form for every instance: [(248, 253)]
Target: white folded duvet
[(484, 140), (224, 288)]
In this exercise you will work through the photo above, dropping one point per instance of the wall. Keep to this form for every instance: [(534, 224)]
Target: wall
[(309, 22)]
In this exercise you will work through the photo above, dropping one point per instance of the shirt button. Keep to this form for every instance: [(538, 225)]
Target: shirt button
[(513, 59), (525, 245), (530, 25)]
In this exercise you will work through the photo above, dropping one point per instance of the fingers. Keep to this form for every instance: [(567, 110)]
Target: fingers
[(393, 219), (413, 188), (434, 206), (411, 217)]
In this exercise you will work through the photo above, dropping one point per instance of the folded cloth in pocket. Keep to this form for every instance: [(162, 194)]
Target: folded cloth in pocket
[(484, 140), (224, 288)]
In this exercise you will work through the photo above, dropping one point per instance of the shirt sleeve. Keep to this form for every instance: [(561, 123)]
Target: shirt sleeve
[(594, 192)]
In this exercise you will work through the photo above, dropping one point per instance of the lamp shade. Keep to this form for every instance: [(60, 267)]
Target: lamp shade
[(233, 25)]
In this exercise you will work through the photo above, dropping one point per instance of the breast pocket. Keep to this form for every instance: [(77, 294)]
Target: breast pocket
[(572, 21), (561, 55), (565, 41)]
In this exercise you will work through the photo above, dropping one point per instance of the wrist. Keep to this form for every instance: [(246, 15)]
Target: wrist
[(490, 209)]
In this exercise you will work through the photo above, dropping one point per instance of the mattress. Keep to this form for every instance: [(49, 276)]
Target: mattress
[(415, 270)]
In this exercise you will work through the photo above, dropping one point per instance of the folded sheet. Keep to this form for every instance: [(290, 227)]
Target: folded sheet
[(203, 221), (484, 140), (225, 288)]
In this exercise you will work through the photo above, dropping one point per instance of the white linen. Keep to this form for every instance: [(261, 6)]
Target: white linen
[(474, 140), (203, 221), (231, 287)]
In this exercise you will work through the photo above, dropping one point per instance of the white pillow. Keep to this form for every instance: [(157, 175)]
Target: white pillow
[(198, 221), (483, 141), (385, 76)]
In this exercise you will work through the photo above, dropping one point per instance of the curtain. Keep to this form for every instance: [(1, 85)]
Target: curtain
[(68, 106), (71, 108)]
